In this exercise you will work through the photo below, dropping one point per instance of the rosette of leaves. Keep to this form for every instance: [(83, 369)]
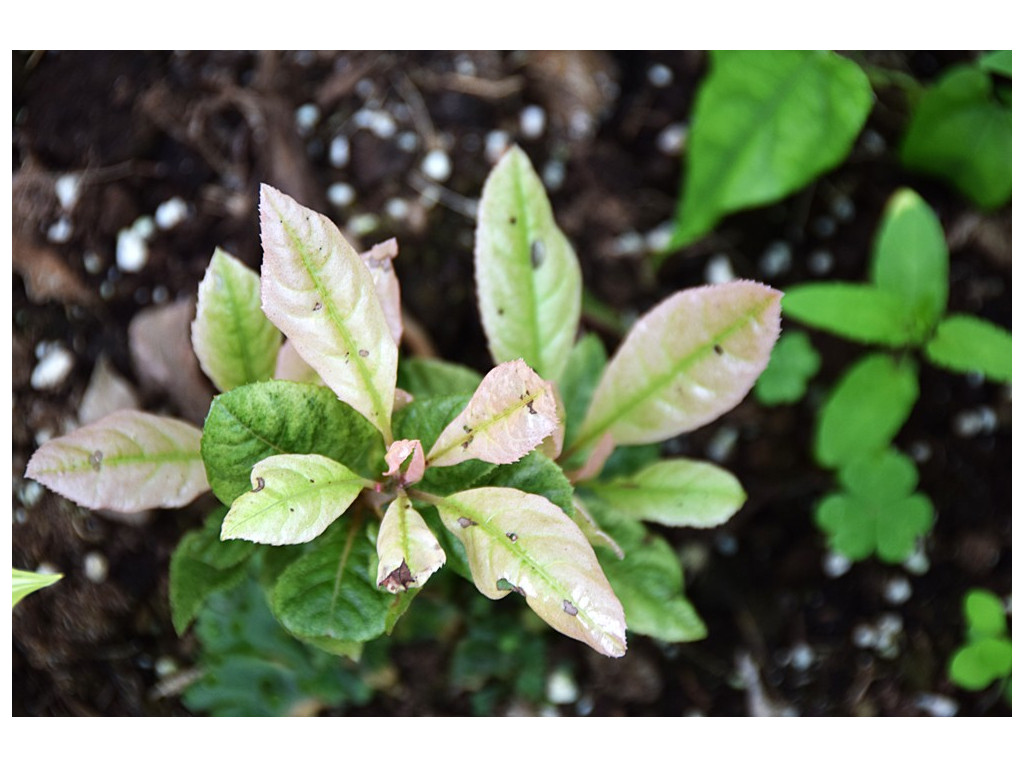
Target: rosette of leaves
[(986, 655), (354, 490)]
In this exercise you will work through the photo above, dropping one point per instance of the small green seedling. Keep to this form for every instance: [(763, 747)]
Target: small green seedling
[(877, 510), (347, 491), (987, 654), (961, 131), (794, 362), (765, 124), (24, 583)]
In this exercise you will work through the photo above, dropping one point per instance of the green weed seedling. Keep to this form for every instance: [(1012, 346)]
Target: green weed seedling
[(903, 308), (349, 477), (986, 655), (794, 362), (24, 583)]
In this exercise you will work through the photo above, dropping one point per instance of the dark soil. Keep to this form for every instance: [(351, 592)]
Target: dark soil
[(142, 128)]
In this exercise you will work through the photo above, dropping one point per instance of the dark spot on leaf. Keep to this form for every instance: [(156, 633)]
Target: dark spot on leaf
[(291, 509), (398, 580), (512, 536), (505, 585), (318, 306), (96, 460), (466, 428), (529, 407), (260, 485), (312, 480), (718, 349), (512, 220), (465, 522), (364, 353), (501, 311), (569, 608), (465, 443), (536, 253)]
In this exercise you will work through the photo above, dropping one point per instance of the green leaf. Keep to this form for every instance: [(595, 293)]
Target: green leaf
[(202, 565), (965, 344), (883, 477), (579, 380), (961, 134), (979, 664), (522, 542), (985, 614), (863, 313), (425, 377), (319, 292), (235, 342), (901, 525), (407, 549), (24, 583), (794, 361), (662, 382), (998, 62), (330, 592), (292, 500), (534, 473), (910, 259), (252, 422), (128, 461), (765, 123), (528, 279), (865, 410), (675, 492), (849, 524)]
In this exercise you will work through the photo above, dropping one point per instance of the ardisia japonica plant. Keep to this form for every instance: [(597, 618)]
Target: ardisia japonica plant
[(348, 477)]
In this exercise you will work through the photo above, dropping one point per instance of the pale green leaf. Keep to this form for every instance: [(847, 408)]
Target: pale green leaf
[(255, 421), (969, 344), (765, 123), (378, 260), (522, 542), (528, 279), (865, 410), (330, 592), (293, 499), (128, 461), (685, 363), (234, 341), (860, 312), (508, 416), (910, 258), (407, 549), (24, 583), (318, 291), (675, 492)]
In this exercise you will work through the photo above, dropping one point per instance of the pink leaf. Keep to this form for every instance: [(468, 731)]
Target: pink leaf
[(401, 450)]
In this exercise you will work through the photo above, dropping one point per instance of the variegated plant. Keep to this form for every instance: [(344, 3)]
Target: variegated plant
[(349, 477)]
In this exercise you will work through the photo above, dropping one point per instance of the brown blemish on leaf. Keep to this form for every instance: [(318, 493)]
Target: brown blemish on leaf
[(718, 349), (364, 353), (512, 536), (465, 443), (512, 220), (318, 306), (536, 253), (569, 608), (501, 310), (260, 485), (465, 522), (96, 460), (529, 407), (398, 580), (466, 428)]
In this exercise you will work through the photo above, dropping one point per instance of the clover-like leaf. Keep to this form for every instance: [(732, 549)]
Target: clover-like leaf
[(985, 614), (24, 583), (319, 292), (794, 361), (510, 413), (521, 542), (234, 341), (407, 548), (528, 279), (128, 461), (980, 663), (675, 492), (293, 499), (686, 362)]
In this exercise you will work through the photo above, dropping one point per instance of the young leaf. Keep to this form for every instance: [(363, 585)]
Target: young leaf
[(234, 341), (318, 291), (330, 592), (522, 542), (528, 279), (128, 461), (378, 260), (985, 614), (961, 134), (765, 123), (686, 362), (291, 367), (794, 361), (977, 665), (293, 499), (859, 312), (426, 377), (509, 415), (397, 454), (24, 583), (255, 421), (676, 492), (407, 549), (910, 258), (201, 565), (865, 410), (964, 343)]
